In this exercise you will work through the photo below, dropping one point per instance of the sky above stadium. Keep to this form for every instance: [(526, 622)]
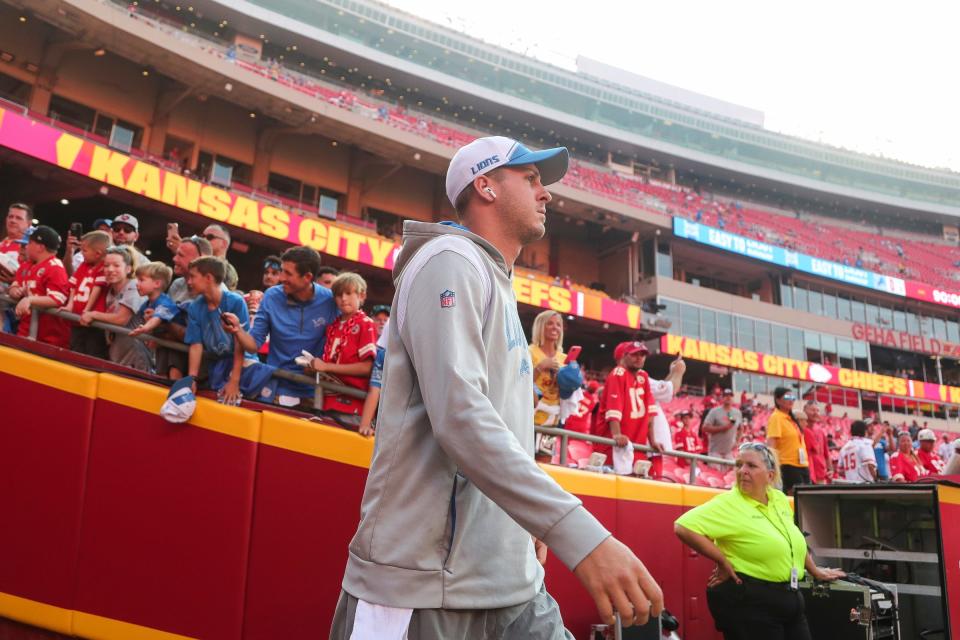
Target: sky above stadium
[(872, 76)]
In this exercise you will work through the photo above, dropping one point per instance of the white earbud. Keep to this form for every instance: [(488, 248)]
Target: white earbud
[(490, 191)]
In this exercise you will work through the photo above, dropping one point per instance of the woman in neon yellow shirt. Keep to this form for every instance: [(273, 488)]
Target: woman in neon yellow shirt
[(760, 553)]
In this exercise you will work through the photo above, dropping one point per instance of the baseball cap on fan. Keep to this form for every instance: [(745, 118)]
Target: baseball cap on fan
[(486, 154), (46, 236), (126, 218), (626, 348)]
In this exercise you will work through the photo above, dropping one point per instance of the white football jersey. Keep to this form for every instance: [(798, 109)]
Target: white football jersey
[(855, 456)]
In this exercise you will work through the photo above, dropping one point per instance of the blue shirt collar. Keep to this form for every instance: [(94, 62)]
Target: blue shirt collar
[(456, 225)]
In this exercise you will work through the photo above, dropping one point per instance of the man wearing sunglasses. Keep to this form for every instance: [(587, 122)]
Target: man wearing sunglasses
[(219, 239), (785, 436), (126, 231)]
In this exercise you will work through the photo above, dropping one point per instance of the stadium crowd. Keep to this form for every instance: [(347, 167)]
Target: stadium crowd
[(306, 317), (627, 405), (917, 257)]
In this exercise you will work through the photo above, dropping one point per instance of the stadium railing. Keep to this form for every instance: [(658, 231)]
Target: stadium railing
[(565, 435), (320, 384)]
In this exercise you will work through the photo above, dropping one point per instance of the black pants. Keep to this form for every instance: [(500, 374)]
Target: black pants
[(90, 341), (755, 610), (792, 476)]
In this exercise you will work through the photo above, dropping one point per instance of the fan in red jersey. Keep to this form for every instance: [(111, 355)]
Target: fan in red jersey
[(685, 439), (17, 225), (905, 466), (931, 460), (43, 285), (627, 398), (350, 348), (581, 422)]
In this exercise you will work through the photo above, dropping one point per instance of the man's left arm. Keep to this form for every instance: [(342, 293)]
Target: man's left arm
[(675, 376), (651, 408), (231, 391)]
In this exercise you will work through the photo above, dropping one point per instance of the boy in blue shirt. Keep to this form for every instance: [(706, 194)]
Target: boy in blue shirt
[(212, 319), (153, 279)]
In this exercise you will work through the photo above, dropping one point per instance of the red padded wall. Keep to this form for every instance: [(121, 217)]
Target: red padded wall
[(167, 522), (44, 440)]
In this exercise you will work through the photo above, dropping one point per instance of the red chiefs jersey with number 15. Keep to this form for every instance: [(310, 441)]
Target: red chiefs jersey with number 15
[(627, 398)]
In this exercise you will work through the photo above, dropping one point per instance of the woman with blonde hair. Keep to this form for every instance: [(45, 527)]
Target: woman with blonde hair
[(761, 554), (547, 356)]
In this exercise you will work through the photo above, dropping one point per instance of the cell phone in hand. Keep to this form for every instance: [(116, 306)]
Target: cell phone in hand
[(572, 354), (76, 230), (173, 229)]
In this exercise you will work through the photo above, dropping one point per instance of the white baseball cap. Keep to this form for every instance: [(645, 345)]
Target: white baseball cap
[(926, 434), (486, 154), (126, 218), (180, 403)]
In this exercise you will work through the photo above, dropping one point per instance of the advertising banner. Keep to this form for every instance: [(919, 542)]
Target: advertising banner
[(783, 367), (905, 341), (111, 167)]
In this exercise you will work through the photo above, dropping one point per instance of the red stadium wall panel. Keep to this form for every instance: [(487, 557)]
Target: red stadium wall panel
[(309, 483), (44, 446), (234, 525), (949, 498), (167, 514), (693, 573), (599, 495)]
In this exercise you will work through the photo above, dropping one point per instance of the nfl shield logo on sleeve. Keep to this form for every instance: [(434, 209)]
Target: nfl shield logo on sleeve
[(448, 299)]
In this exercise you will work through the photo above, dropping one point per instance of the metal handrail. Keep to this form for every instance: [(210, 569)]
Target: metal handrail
[(322, 385), (565, 435)]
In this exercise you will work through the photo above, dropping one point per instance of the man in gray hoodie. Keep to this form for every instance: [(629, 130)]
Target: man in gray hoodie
[(456, 513)]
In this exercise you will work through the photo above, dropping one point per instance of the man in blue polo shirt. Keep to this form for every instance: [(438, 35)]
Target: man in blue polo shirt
[(294, 316)]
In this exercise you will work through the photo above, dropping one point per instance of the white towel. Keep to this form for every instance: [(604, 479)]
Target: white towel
[(623, 460), (377, 622)]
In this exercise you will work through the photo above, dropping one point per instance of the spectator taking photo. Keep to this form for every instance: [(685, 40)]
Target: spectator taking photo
[(294, 317)]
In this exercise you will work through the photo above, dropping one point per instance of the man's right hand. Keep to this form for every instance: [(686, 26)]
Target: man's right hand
[(617, 581), (621, 440), (173, 240), (231, 323)]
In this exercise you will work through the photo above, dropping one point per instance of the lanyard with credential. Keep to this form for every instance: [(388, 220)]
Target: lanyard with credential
[(801, 448), (785, 532)]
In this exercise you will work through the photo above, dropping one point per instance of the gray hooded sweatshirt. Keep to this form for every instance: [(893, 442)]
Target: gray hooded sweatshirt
[(453, 494)]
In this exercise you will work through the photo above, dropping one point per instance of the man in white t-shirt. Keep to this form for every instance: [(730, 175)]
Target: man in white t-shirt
[(663, 391), (945, 450), (857, 463)]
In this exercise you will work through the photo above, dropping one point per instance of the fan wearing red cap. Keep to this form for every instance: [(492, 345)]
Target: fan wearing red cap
[(624, 409), (685, 439)]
